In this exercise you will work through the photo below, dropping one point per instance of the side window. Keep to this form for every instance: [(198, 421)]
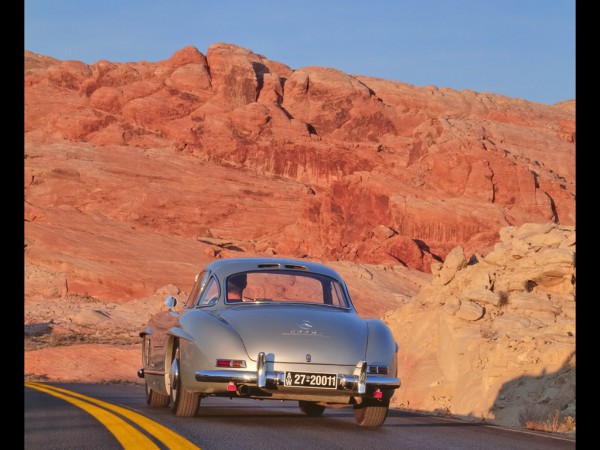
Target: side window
[(337, 295), (210, 294), (199, 285)]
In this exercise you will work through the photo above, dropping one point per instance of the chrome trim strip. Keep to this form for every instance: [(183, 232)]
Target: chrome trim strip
[(362, 376), (225, 376), (261, 371), (382, 382)]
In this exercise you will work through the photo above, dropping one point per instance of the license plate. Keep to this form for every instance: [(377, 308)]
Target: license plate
[(311, 380)]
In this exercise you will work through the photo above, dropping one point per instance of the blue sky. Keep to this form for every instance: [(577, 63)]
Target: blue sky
[(517, 48)]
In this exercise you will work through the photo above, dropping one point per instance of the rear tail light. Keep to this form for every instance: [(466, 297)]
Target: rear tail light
[(378, 394), (236, 363), (381, 370)]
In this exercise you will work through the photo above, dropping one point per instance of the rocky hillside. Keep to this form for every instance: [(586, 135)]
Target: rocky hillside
[(384, 172), (493, 338), (137, 174)]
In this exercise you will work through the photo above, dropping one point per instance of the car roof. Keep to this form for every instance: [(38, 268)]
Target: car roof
[(227, 266)]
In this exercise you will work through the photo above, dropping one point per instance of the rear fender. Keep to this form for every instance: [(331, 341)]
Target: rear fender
[(179, 333), (203, 339), (381, 346)]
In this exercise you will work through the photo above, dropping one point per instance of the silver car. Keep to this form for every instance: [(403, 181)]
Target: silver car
[(269, 328)]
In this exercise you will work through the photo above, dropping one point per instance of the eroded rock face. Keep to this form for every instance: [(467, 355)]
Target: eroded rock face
[(493, 338), (440, 168), (138, 174)]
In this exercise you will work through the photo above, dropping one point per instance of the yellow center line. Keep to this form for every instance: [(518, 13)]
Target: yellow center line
[(126, 434), (116, 425)]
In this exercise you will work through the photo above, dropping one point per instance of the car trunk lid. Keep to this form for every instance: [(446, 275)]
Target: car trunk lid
[(300, 334)]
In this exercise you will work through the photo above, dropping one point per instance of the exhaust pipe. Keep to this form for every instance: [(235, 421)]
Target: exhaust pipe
[(243, 390)]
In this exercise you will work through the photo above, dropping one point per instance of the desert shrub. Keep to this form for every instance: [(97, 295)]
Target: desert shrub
[(556, 424)]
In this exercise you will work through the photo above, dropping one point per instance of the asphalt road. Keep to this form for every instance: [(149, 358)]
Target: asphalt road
[(115, 416)]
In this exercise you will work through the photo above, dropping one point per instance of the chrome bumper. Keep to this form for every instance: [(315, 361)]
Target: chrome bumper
[(264, 379)]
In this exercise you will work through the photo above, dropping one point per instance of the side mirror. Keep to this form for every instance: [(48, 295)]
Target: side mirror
[(171, 302)]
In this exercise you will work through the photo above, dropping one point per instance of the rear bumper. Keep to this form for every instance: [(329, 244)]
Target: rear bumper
[(359, 383)]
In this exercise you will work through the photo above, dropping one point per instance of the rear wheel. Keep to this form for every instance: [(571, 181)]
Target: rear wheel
[(311, 409), (156, 399), (371, 414), (183, 402)]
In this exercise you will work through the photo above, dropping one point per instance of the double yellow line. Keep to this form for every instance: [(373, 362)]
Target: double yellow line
[(127, 435)]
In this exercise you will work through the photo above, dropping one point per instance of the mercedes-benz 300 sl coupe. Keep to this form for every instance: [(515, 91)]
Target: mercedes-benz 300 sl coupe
[(269, 328)]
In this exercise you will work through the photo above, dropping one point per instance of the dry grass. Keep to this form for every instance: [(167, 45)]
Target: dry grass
[(556, 424)]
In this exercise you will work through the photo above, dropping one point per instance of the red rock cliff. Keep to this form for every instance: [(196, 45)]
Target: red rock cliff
[(343, 167)]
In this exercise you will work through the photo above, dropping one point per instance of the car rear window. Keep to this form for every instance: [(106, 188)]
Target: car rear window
[(298, 287)]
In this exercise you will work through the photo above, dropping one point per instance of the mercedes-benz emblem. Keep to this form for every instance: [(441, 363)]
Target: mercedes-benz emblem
[(305, 325)]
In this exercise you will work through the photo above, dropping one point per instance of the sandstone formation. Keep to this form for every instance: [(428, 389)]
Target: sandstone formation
[(493, 338), (436, 167), (138, 174)]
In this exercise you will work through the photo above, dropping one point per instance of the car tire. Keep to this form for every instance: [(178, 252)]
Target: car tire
[(371, 414), (311, 409), (156, 399), (183, 402)]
